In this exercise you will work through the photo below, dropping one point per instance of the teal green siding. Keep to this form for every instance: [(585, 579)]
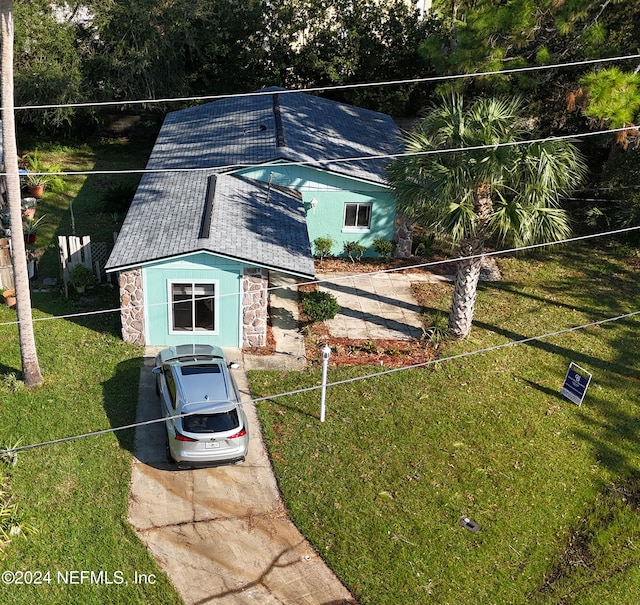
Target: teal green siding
[(332, 192), (201, 266)]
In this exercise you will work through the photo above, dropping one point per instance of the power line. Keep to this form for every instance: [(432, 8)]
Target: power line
[(330, 88), (324, 162), (332, 384), (490, 253)]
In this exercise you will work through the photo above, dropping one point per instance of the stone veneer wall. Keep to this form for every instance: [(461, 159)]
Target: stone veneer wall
[(132, 306), (403, 237), (254, 307)]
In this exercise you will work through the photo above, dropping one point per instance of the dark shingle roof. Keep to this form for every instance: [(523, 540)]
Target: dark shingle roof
[(248, 221), (243, 131), (166, 214)]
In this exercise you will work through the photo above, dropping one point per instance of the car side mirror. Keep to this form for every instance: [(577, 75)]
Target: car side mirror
[(157, 370), (234, 365)]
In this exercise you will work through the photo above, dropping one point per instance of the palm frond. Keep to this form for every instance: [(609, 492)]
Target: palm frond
[(526, 182)]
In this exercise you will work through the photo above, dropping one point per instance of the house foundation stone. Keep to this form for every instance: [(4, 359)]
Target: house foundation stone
[(132, 306), (254, 307), (403, 238)]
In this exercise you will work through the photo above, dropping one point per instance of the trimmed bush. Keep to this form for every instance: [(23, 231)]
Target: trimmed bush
[(320, 306), (384, 247), (322, 247), (354, 250)]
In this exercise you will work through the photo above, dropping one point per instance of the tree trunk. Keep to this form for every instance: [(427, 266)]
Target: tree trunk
[(30, 368), (464, 294), (468, 273)]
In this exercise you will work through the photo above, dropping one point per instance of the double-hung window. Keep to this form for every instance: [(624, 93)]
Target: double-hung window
[(193, 307), (357, 216)]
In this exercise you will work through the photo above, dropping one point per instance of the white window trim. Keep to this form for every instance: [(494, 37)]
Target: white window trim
[(216, 313), (355, 228)]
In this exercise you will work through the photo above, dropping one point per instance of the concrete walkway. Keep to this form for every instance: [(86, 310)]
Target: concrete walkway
[(222, 535), (290, 353), (378, 306)]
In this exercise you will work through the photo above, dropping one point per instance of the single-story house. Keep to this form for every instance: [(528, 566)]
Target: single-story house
[(237, 189)]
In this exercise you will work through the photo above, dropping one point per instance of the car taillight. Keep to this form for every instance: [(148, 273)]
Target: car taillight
[(181, 437), (241, 433)]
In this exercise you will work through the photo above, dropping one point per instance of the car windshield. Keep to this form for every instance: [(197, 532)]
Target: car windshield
[(211, 423)]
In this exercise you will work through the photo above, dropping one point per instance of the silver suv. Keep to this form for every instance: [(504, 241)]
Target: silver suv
[(205, 422)]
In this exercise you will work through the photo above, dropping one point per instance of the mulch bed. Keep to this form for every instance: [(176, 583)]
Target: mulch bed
[(357, 352), (369, 265)]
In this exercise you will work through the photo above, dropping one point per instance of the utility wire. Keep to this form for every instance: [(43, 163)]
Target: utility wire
[(323, 163), (359, 275), (332, 384), (330, 88)]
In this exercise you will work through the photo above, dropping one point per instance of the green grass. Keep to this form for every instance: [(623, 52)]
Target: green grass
[(75, 494), (379, 489), (80, 208)]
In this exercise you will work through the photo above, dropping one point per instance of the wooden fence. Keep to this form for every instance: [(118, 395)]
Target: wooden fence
[(73, 251), (6, 268)]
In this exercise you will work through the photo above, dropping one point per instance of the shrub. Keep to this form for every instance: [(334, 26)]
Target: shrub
[(423, 244), (118, 197), (322, 247), (354, 250), (439, 329), (320, 306), (81, 277), (384, 247)]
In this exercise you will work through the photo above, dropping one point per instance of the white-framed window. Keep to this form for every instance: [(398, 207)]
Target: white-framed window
[(357, 216), (193, 306)]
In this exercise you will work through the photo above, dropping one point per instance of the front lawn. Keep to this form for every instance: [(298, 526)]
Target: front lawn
[(380, 488)]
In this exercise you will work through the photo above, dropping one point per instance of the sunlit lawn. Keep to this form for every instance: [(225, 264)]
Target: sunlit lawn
[(74, 494), (380, 487)]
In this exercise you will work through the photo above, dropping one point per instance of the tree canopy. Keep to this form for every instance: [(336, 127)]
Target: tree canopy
[(470, 178), (149, 49)]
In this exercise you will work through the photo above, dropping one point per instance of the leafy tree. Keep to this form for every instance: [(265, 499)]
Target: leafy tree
[(484, 35), (224, 47), (135, 49), (48, 66), (619, 191), (317, 42), (611, 97), (509, 191)]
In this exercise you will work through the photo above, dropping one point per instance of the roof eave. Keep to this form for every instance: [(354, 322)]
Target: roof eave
[(245, 261)]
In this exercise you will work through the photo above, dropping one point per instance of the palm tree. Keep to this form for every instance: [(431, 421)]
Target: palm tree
[(492, 189), (31, 374)]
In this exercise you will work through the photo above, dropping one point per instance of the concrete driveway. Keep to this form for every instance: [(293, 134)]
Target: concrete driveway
[(222, 535)]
